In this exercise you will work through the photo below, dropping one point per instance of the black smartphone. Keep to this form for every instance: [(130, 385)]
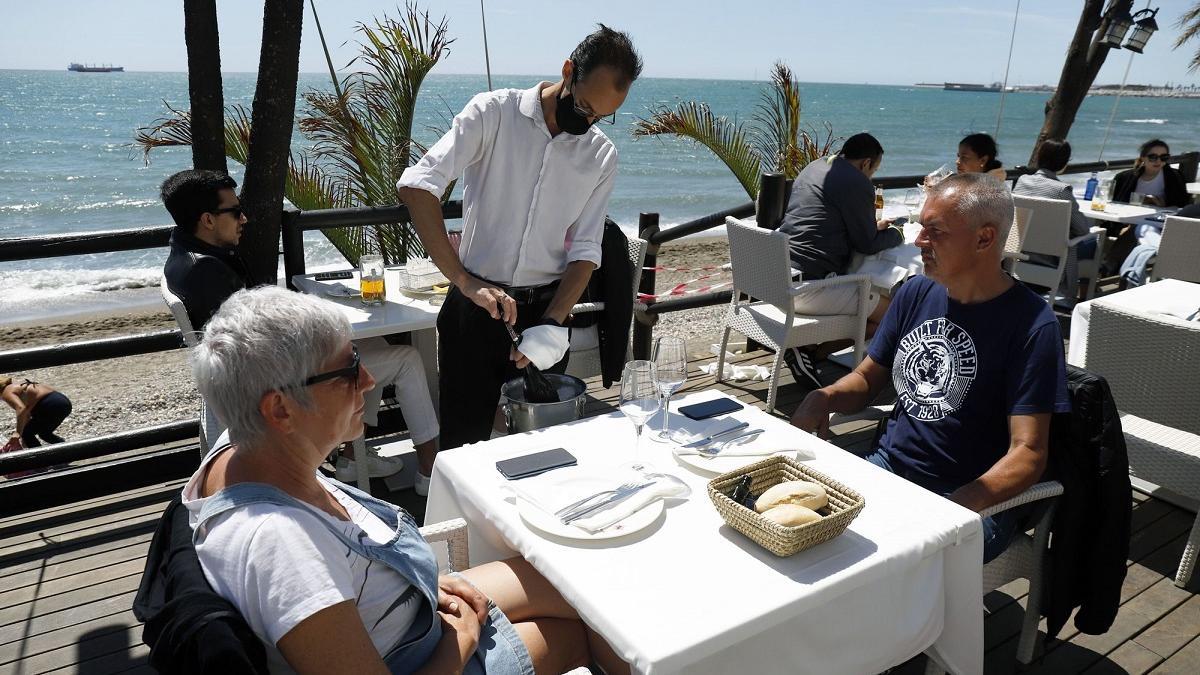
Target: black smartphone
[(331, 276), (899, 222), (537, 463), (703, 411)]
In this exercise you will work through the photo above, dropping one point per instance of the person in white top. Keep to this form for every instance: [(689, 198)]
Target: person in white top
[(537, 175), (330, 579)]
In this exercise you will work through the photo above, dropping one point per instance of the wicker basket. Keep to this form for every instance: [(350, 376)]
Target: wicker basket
[(844, 505)]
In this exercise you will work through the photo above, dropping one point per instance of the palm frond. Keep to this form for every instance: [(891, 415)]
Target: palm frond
[(726, 139), (1189, 24), (776, 132)]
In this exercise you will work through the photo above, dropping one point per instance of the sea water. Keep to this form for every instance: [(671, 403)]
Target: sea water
[(68, 164)]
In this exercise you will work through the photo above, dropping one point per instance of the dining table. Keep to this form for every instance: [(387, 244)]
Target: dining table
[(684, 592), (1168, 296), (1117, 212)]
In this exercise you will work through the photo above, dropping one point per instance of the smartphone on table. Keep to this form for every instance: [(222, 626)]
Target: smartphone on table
[(707, 409), (535, 464)]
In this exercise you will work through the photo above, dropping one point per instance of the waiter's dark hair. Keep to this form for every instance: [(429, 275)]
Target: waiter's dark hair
[(192, 193), (1053, 154), (861, 146), (607, 47)]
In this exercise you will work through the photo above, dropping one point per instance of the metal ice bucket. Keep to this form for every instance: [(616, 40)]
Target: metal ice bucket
[(521, 415)]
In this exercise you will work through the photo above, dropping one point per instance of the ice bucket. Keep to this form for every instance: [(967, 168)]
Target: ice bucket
[(522, 415)]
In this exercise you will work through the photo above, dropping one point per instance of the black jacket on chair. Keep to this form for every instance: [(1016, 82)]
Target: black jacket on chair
[(188, 627), (1090, 536), (611, 284)]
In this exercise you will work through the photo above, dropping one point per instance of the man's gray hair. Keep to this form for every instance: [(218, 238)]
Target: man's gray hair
[(979, 199), (260, 340)]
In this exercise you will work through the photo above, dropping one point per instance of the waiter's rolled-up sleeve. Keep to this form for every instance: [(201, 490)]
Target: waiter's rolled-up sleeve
[(585, 235), (459, 148)]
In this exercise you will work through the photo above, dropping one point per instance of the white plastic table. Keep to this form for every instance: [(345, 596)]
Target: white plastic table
[(1115, 212), (1193, 188), (1168, 296), (691, 595)]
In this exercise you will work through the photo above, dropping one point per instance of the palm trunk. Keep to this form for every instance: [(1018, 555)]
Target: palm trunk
[(204, 84), (1084, 58), (271, 124)]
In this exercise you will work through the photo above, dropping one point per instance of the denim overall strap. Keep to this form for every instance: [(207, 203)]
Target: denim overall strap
[(406, 553)]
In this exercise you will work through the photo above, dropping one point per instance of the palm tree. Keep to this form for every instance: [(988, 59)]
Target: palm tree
[(361, 132), (774, 142), (1190, 25)]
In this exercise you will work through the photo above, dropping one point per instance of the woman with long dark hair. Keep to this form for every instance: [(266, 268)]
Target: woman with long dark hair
[(1153, 178)]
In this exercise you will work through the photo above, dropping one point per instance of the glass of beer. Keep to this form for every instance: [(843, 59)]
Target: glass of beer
[(370, 268)]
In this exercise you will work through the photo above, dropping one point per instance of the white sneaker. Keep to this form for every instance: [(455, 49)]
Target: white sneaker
[(346, 469), (421, 484)]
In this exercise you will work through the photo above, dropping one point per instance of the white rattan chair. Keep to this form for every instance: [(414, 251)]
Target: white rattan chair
[(585, 363), (1089, 268), (1178, 251), (1047, 234), (454, 533), (762, 271), (1151, 363), (1025, 558), (210, 428)]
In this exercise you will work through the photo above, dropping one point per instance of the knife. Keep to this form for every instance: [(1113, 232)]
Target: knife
[(605, 503), (709, 439)]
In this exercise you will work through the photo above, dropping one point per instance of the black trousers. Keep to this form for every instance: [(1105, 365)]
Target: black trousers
[(47, 414), (473, 363)]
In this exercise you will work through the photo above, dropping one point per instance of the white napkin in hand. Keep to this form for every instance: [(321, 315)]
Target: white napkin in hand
[(544, 345)]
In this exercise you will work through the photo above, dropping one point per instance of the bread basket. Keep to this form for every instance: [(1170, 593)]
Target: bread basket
[(844, 506)]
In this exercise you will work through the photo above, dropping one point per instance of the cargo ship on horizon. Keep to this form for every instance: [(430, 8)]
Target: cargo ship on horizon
[(80, 68)]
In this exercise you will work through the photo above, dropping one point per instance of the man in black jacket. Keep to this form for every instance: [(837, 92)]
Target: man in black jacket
[(203, 268)]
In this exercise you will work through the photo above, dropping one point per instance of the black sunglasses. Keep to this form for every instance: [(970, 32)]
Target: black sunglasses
[(1158, 158), (235, 210), (350, 372)]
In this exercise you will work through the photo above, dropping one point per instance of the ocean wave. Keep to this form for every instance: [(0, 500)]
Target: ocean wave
[(1148, 120), (29, 286), (17, 208), (113, 203)]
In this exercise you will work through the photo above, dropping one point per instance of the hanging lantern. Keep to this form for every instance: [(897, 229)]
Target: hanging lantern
[(1118, 25), (1142, 30)]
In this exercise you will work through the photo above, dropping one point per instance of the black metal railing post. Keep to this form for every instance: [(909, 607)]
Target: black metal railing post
[(772, 195), (643, 322), (293, 246), (1189, 162)]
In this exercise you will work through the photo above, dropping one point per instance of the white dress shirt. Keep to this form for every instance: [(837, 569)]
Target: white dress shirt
[(531, 203)]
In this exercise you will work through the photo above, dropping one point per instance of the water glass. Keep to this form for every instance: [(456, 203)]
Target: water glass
[(639, 396), (370, 268), (1137, 198), (670, 360)]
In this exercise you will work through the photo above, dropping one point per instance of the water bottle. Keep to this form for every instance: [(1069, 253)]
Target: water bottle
[(1090, 190)]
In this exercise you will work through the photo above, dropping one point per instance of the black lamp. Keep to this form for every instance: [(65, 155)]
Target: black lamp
[(1118, 25), (1142, 30)]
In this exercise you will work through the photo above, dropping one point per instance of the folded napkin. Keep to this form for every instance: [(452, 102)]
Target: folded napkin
[(693, 431), (603, 519), (552, 495), (544, 344)]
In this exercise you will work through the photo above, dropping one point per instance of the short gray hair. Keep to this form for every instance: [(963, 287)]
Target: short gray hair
[(979, 199), (260, 340)]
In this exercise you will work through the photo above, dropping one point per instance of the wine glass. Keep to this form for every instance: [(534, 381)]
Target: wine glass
[(670, 360), (912, 201), (639, 396)]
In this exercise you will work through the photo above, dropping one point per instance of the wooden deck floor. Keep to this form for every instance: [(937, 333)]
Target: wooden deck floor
[(68, 576)]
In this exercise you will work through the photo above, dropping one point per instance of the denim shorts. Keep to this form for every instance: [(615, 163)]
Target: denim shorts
[(500, 649)]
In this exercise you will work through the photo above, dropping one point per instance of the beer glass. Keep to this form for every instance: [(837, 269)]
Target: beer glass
[(370, 268)]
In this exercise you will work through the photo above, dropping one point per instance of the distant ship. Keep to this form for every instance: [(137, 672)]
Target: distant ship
[(959, 86), (80, 68)]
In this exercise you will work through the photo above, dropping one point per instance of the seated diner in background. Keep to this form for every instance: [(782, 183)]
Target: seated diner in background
[(1052, 157), (1152, 178), (829, 217), (327, 577), (978, 153), (203, 269), (976, 359)]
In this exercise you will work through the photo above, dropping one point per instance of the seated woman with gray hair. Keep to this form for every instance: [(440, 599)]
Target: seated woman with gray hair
[(329, 578)]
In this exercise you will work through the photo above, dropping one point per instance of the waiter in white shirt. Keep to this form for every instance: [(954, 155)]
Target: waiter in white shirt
[(538, 173)]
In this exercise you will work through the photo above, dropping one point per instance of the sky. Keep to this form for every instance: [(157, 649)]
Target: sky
[(858, 41)]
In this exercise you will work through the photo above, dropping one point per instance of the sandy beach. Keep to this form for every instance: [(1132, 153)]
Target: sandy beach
[(137, 391)]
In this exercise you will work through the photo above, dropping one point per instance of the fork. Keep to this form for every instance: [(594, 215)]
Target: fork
[(718, 448), (575, 505)]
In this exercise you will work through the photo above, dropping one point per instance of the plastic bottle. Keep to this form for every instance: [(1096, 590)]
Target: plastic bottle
[(1090, 190)]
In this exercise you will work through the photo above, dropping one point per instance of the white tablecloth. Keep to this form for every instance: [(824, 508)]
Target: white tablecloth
[(1169, 296), (690, 594), (1116, 212), (891, 265)]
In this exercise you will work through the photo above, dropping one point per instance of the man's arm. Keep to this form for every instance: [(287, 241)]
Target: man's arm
[(14, 401), (850, 394), (1017, 471), (866, 234)]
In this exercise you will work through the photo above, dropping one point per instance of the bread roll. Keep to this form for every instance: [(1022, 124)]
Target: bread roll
[(791, 515), (798, 492)]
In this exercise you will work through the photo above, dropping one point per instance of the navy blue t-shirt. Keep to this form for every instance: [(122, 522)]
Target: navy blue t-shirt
[(960, 371)]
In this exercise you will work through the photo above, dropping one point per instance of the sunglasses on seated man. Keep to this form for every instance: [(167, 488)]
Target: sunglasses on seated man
[(235, 210)]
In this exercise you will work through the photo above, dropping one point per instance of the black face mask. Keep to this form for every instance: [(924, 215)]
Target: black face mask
[(568, 119)]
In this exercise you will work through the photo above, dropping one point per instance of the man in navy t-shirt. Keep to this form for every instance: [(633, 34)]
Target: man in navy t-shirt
[(976, 359)]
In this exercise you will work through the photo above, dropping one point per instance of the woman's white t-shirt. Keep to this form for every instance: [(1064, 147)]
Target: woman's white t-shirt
[(280, 565), (1155, 186)]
